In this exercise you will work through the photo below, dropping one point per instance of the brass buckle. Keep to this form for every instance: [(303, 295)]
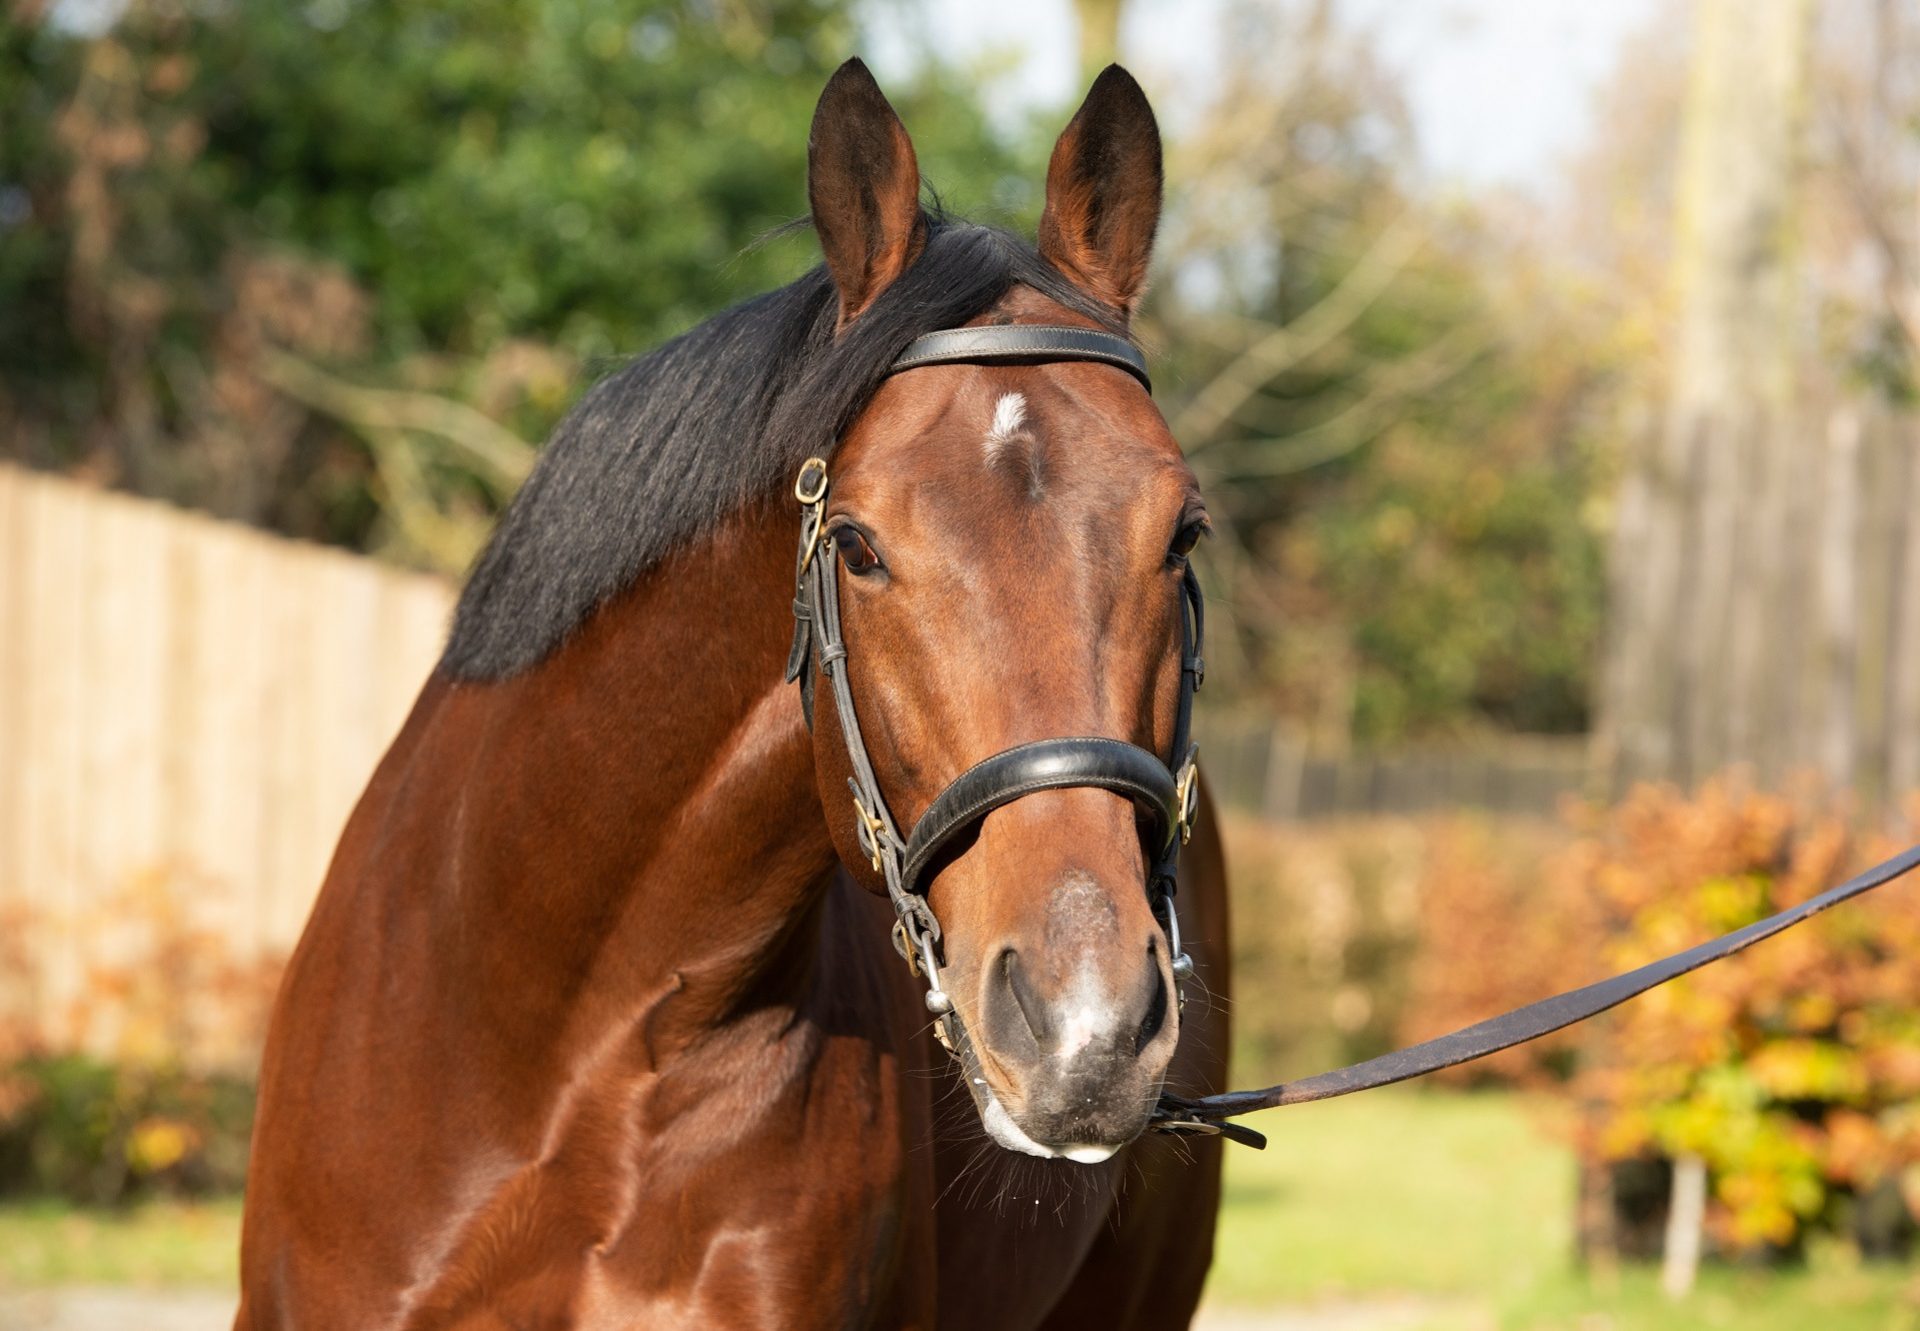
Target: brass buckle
[(1186, 795), (810, 488), (903, 944), (872, 832)]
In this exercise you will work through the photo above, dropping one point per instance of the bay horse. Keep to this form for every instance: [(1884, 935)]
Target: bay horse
[(598, 1020)]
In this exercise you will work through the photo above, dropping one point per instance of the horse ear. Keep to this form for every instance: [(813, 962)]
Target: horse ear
[(863, 184), (1103, 192)]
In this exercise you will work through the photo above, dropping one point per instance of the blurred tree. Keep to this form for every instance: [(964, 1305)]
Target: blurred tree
[(1692, 579), (1765, 599), (332, 268), (323, 267), (1098, 22), (1387, 409), (1869, 120)]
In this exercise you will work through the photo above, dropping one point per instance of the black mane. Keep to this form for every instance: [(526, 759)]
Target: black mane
[(666, 448)]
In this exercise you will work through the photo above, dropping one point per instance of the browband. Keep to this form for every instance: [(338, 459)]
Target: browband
[(1024, 342)]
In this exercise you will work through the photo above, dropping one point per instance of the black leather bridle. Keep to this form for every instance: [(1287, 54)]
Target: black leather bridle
[(1164, 792), (1166, 796)]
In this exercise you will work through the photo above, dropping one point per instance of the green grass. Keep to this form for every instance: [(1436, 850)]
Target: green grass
[(1457, 1205), (155, 1244), (1464, 1204), (1398, 1192), (1816, 1299)]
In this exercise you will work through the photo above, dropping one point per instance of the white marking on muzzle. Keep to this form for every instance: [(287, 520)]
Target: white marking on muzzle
[(1085, 1014), (1001, 1127)]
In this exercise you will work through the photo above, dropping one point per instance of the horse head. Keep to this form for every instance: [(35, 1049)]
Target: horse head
[(1009, 543)]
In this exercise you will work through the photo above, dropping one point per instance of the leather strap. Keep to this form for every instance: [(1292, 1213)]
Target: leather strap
[(995, 343), (1048, 764), (1178, 1114), (800, 652)]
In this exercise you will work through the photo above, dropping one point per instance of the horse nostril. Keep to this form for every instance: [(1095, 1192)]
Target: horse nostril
[(1093, 1024), (1156, 1014), (1031, 1008)]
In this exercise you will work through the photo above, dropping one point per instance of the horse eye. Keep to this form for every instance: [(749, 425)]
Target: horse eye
[(1186, 538), (855, 553)]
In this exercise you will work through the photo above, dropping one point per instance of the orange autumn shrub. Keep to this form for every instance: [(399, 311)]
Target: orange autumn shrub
[(1323, 925), (1792, 1069), (1501, 923)]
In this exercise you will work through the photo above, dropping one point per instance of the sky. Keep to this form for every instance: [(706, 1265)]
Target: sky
[(1499, 89)]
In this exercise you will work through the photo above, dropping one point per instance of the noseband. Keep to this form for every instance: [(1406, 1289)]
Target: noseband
[(1165, 797)]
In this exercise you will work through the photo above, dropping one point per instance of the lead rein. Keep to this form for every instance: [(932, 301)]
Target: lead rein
[(1203, 1115)]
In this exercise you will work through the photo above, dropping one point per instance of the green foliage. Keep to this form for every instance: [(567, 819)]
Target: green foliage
[(1459, 561), (34, 336), (1391, 410), (485, 202), (503, 168), (101, 1133), (589, 173), (225, 230)]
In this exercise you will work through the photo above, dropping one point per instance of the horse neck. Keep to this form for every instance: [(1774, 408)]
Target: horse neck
[(638, 816)]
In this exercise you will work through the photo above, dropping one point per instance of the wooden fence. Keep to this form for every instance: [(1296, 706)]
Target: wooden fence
[(1765, 601), (1260, 768), (186, 697)]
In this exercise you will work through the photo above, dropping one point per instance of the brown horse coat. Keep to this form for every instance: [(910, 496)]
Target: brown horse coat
[(592, 1027)]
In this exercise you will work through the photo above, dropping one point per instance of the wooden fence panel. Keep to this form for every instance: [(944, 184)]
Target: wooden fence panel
[(13, 666), (187, 698), (1256, 766), (54, 750)]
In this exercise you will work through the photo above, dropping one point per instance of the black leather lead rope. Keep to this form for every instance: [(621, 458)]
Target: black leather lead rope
[(1176, 1114)]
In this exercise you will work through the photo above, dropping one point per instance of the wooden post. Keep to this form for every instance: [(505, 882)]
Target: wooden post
[(1286, 766), (1833, 743), (1693, 564), (1903, 655), (1099, 25), (1686, 1221)]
